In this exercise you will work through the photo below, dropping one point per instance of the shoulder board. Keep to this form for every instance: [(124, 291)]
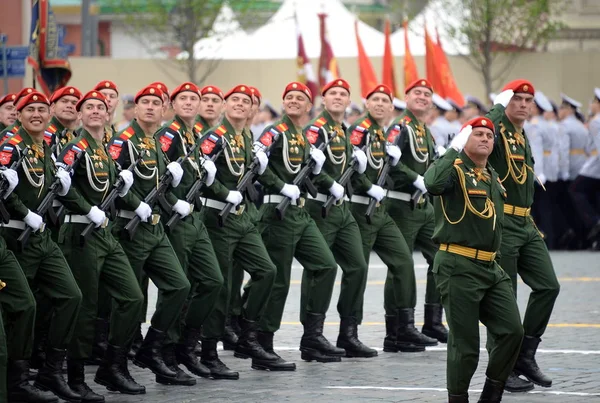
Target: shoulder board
[(477, 192), (51, 128), (406, 120), (198, 127), (458, 161), (15, 139), (127, 133), (221, 130), (365, 124), (175, 126), (320, 122), (282, 127), (15, 129)]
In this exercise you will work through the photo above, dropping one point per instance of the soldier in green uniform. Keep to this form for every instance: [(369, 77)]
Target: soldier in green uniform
[(111, 93), (238, 239), (339, 228), (415, 222), (469, 228), (41, 259), (16, 125), (381, 234), (210, 109), (8, 113), (61, 129), (523, 250)]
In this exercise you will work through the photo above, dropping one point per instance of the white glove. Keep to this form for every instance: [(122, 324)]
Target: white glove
[(263, 161), (337, 191), (394, 152), (12, 177), (177, 172), (211, 171), (440, 150), (291, 191), (376, 192), (34, 220), (419, 183), (127, 182), (319, 158), (542, 179), (65, 181), (459, 141), (361, 159), (234, 197), (97, 216), (143, 211), (183, 208), (504, 97)]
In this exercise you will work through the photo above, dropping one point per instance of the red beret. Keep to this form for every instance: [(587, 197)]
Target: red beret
[(187, 86), (243, 89), (161, 86), (32, 97), (149, 90), (61, 92), (338, 82), (211, 89), (8, 98), (94, 94), (520, 86), (421, 82), (23, 92), (296, 86), (106, 85), (480, 121), (256, 93), (384, 89)]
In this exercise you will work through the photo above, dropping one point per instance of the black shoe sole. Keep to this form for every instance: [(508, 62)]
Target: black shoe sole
[(435, 335), (543, 385), (146, 366), (314, 355), (270, 366), (46, 389), (226, 377), (522, 390), (354, 354), (173, 381), (110, 387)]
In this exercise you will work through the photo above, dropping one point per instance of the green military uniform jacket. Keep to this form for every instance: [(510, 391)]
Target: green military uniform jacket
[(470, 209), (57, 134), (9, 131), (512, 158), (2, 127), (201, 126), (418, 150)]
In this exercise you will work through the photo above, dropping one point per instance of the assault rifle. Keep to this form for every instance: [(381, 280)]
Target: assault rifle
[(4, 186)]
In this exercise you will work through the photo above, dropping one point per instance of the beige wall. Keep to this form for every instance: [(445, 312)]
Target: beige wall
[(575, 73)]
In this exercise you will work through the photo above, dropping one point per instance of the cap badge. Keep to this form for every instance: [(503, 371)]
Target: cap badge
[(151, 90), (107, 84), (484, 122), (525, 87), (35, 97), (422, 82), (294, 85), (72, 91), (187, 86), (94, 94)]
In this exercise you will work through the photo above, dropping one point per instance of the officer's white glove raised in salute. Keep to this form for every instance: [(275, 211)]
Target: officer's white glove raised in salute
[(127, 182), (361, 159), (263, 161), (376, 192), (34, 220), (337, 190), (291, 191), (419, 183), (183, 208), (234, 197), (143, 211), (177, 173), (65, 181), (12, 177), (97, 216), (504, 97), (394, 152), (319, 158), (211, 171), (459, 141)]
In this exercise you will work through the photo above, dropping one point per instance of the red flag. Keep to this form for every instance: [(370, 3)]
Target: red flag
[(388, 74), (410, 68), (368, 79), (450, 89), (431, 61), (328, 67), (305, 71)]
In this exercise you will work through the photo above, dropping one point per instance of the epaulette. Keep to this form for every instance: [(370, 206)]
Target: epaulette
[(320, 122), (458, 161), (51, 128), (127, 133), (282, 127), (406, 120), (15, 129), (365, 124), (221, 130), (14, 139), (175, 126), (198, 127)]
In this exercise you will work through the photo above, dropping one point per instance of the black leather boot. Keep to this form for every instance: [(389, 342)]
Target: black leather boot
[(137, 342), (230, 337), (20, 390), (76, 374), (391, 327), (185, 352), (266, 341), (38, 354), (313, 345), (114, 374), (210, 359), (492, 391), (150, 354), (515, 384), (249, 347), (526, 364), (170, 361), (408, 338), (458, 398), (348, 339), (100, 341), (50, 376), (433, 326)]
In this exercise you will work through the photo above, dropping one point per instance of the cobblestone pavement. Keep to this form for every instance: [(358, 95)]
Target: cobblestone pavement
[(569, 353)]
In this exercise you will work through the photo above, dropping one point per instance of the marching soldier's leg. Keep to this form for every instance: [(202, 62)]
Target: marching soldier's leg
[(138, 338), (232, 322), (101, 327)]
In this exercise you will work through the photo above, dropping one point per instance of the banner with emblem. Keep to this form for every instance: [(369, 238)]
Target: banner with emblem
[(51, 69)]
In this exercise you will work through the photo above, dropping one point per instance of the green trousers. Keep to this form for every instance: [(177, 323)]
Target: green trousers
[(523, 251), (101, 260), (474, 291), (3, 361), (150, 252), (296, 236), (342, 235), (384, 238), (417, 226), (238, 241), (192, 246), (48, 272)]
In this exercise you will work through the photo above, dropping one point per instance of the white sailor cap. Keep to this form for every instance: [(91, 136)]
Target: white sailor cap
[(398, 104), (570, 101), (597, 92), (542, 101), (441, 102)]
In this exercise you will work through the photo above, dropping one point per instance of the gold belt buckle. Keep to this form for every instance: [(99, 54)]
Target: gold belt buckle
[(240, 209), (300, 202), (155, 219)]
